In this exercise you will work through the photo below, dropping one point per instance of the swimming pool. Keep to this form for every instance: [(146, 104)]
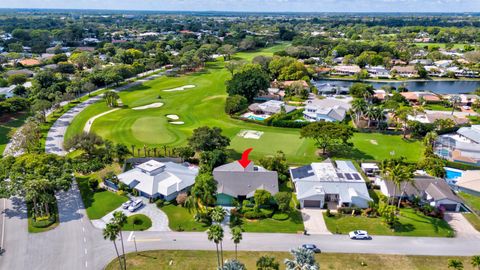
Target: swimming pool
[(257, 118), (452, 174)]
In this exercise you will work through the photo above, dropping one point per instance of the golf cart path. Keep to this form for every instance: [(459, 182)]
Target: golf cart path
[(56, 134), (90, 121)]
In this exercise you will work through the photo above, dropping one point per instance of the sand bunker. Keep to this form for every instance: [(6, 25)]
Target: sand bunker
[(180, 88), (172, 116), (149, 106), (177, 123), (90, 121), (250, 134), (374, 142)]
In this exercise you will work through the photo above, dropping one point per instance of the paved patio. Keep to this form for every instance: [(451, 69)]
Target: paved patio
[(158, 217)]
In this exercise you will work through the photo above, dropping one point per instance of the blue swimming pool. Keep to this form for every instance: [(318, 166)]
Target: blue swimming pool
[(257, 118), (452, 174)]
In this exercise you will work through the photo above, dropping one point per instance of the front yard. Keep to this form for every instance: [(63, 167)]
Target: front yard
[(98, 203), (293, 224), (179, 219), (411, 224)]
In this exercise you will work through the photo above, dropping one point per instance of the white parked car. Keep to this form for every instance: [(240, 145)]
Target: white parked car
[(126, 204), (135, 205), (359, 235)]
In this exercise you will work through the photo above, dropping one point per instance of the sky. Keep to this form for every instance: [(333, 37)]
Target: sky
[(257, 5)]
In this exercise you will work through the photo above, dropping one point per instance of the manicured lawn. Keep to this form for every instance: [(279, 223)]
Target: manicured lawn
[(471, 200), (179, 219), (441, 45), (99, 203), (412, 224), (437, 107), (380, 146), (200, 260), (473, 219), (7, 124), (137, 222), (269, 225)]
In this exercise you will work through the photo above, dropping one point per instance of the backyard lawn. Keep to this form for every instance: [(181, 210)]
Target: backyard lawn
[(137, 222), (471, 200), (204, 105), (412, 224), (269, 225), (179, 219), (99, 203), (200, 260)]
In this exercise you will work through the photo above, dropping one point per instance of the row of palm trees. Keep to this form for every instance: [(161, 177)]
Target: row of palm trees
[(399, 172), (458, 264), (215, 233), (363, 110)]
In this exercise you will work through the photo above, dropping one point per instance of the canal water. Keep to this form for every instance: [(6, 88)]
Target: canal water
[(439, 87)]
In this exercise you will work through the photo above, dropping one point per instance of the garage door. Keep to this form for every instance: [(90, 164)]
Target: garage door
[(449, 207), (308, 203)]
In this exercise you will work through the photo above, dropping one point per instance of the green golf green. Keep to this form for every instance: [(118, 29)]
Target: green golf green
[(203, 105)]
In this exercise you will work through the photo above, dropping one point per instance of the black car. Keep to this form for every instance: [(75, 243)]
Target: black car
[(312, 247)]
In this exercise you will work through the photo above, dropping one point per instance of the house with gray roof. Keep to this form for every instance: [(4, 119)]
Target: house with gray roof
[(236, 182), (329, 109), (270, 107), (334, 183), (433, 191), (462, 146)]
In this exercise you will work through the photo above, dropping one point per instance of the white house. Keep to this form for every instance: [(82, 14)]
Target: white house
[(337, 184), (378, 72), (329, 109), (153, 179)]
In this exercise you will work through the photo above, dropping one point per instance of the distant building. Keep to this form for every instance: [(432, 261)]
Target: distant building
[(462, 146), (329, 109), (378, 72), (344, 70), (335, 183), (405, 71), (270, 107)]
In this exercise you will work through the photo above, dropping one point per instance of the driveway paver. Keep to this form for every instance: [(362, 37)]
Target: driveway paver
[(313, 221)]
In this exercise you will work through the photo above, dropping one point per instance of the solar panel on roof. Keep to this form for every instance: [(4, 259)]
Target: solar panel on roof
[(349, 177), (356, 176), (340, 175), (302, 172)]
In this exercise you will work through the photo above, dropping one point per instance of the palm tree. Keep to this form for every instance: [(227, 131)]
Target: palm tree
[(236, 238), (215, 234), (430, 138), (406, 177), (358, 107), (370, 114), (476, 261), (233, 265), (133, 149), (379, 115), (302, 259), (455, 264), (267, 263), (454, 100), (111, 233), (218, 214), (402, 114), (120, 219)]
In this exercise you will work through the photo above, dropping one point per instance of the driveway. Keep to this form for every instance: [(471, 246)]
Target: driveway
[(158, 217), (460, 224), (313, 221)]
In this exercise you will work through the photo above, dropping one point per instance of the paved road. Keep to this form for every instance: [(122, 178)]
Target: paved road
[(56, 134)]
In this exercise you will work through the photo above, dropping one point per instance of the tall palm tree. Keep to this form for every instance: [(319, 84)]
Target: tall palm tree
[(476, 261), (454, 100), (215, 234), (236, 238), (401, 114), (455, 264), (358, 107), (430, 138), (120, 219), (303, 259), (111, 233), (133, 149), (218, 214), (370, 114), (406, 177), (379, 115)]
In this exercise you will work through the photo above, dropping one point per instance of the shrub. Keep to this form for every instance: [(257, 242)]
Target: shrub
[(349, 210), (93, 183), (253, 215), (121, 192), (235, 103), (267, 213), (160, 203), (329, 213), (181, 198), (280, 216)]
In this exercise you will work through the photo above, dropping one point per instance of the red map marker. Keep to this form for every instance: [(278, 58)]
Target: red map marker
[(244, 161)]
